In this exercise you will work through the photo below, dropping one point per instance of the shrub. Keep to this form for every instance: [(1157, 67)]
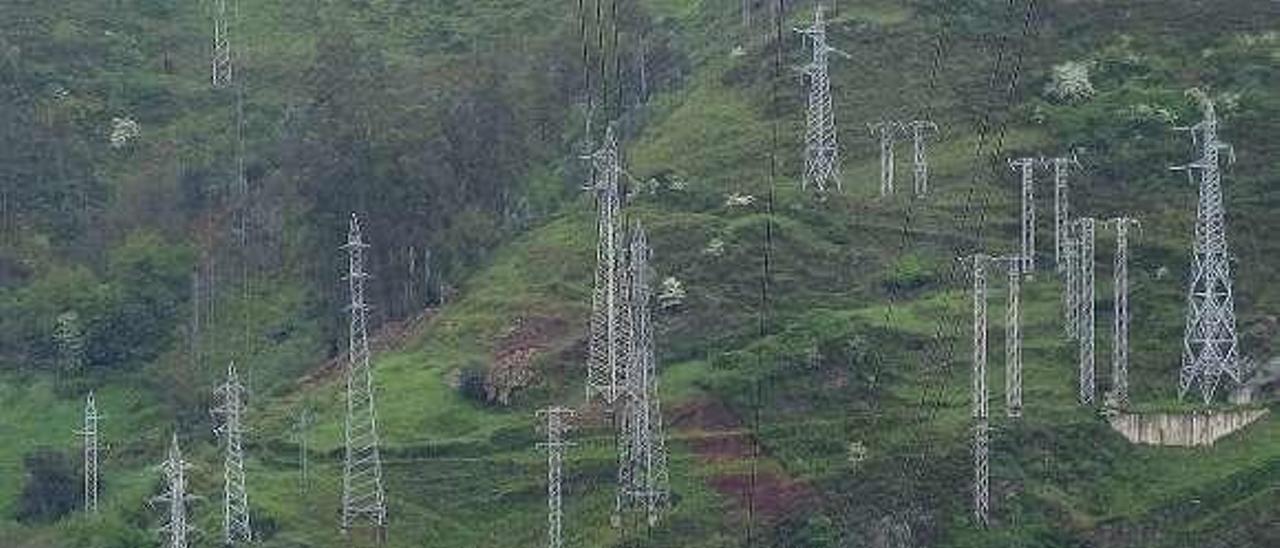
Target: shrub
[(51, 487)]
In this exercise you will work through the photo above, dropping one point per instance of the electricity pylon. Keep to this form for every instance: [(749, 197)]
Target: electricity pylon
[(235, 498), (558, 423), (89, 433), (303, 430), (821, 152), (175, 529), (981, 467), (1061, 207), (1209, 347), (1026, 166), (642, 463), (362, 493), (607, 342), (1120, 321), (920, 159), (1071, 289), (886, 134), (1013, 340), (1085, 239), (221, 45)]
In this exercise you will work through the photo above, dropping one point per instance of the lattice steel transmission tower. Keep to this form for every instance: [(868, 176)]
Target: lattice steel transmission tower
[(1013, 340), (303, 430), (606, 352), (1061, 208), (920, 154), (175, 497), (1071, 291), (363, 498), (886, 134), (1026, 167), (89, 434), (558, 424), (1085, 240), (981, 427), (1120, 320), (221, 45), (821, 152), (235, 498), (1209, 347), (642, 463)]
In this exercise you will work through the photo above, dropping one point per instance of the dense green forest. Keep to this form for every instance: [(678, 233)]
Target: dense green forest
[(814, 349)]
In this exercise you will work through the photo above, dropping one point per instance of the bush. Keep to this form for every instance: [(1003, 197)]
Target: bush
[(51, 487), (471, 385)]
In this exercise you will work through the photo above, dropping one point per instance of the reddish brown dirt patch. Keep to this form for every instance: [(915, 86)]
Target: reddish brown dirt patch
[(512, 367), (716, 435), (774, 495)]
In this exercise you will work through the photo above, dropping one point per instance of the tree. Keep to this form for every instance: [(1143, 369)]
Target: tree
[(51, 487)]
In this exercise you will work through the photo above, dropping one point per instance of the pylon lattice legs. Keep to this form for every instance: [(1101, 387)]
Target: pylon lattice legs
[(557, 425), (1013, 342), (1085, 232)]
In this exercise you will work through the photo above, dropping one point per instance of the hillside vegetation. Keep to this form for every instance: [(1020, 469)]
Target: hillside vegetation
[(815, 378)]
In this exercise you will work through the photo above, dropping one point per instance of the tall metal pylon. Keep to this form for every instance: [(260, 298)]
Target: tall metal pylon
[(235, 498), (1061, 208), (89, 434), (221, 64), (1013, 340), (1071, 289), (821, 152), (981, 466), (1209, 347), (558, 424), (920, 154), (303, 430), (607, 343), (363, 498), (175, 497), (1026, 167), (1120, 320), (642, 463), (1085, 319), (886, 134)]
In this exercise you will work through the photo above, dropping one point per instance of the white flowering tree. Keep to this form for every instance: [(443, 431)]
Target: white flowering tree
[(1069, 82)]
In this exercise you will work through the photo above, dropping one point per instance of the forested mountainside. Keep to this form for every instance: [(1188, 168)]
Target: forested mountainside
[(814, 350)]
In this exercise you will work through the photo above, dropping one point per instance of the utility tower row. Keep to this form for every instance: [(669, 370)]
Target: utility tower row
[(887, 134), (980, 263), (363, 498), (621, 366), (821, 150)]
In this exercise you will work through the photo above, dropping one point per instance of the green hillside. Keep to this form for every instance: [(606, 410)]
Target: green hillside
[(815, 379)]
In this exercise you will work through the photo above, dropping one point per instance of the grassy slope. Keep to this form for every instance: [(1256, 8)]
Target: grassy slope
[(464, 475)]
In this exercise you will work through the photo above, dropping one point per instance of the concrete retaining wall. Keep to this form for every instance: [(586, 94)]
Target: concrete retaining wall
[(1183, 430)]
